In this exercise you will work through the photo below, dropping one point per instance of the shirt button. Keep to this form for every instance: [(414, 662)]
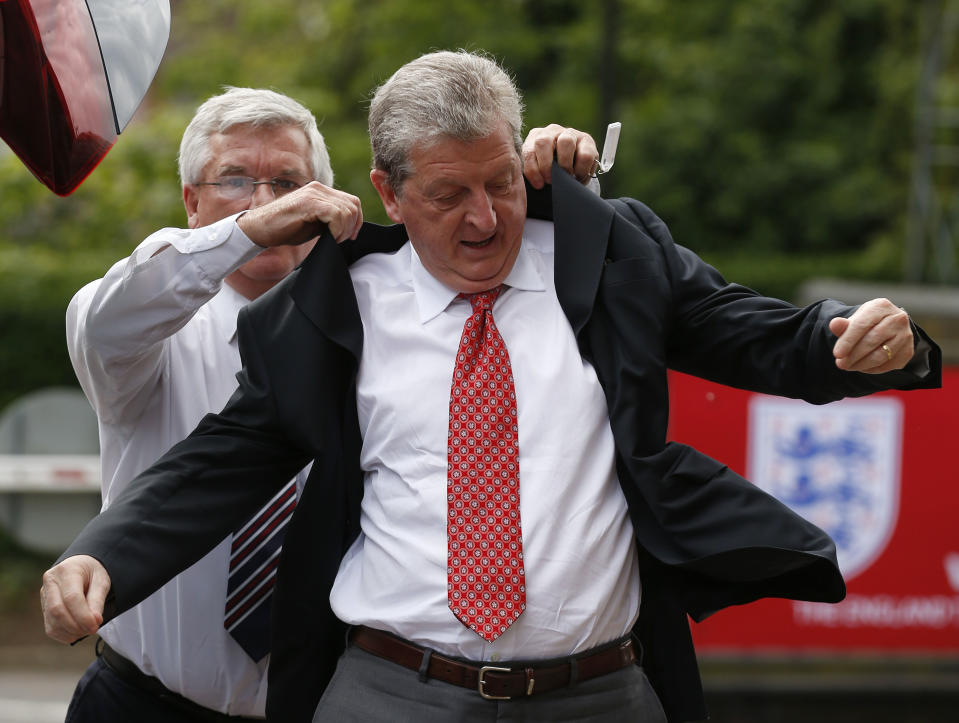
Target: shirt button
[(494, 657)]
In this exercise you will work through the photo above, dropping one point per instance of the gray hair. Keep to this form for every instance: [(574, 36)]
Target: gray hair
[(254, 107), (446, 94)]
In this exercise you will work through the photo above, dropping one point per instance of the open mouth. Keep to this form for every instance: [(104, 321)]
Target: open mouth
[(478, 244)]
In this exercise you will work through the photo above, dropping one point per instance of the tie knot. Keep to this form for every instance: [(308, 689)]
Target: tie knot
[(484, 300)]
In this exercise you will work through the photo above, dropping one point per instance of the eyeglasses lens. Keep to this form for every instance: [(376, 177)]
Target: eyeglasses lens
[(238, 188)]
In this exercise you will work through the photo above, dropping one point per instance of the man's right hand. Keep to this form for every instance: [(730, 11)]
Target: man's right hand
[(299, 217), (575, 151), (72, 598)]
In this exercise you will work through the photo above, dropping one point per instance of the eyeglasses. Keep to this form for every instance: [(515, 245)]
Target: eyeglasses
[(242, 188)]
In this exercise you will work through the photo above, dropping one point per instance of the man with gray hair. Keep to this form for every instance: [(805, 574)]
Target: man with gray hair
[(154, 346), (494, 516)]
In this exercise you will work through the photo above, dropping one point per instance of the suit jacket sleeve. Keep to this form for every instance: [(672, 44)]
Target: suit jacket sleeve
[(197, 493), (732, 335)]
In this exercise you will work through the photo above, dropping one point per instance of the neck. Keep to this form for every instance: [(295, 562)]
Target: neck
[(245, 286)]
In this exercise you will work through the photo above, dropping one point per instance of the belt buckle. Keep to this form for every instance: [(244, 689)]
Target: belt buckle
[(481, 682)]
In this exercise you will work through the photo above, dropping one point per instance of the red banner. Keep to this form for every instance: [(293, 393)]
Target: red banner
[(879, 475)]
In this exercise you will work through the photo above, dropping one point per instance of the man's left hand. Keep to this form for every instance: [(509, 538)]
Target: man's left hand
[(877, 338), (575, 152)]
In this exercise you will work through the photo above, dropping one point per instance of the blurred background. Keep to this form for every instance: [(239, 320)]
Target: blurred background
[(805, 148)]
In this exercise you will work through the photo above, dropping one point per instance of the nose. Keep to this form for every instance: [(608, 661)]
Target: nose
[(262, 194), (481, 214)]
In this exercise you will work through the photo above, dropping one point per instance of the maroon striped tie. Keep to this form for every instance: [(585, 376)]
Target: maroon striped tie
[(253, 560)]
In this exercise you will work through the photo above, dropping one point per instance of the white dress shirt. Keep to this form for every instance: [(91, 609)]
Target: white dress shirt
[(154, 346), (582, 574)]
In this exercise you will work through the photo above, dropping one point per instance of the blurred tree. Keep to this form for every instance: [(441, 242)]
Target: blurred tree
[(772, 126)]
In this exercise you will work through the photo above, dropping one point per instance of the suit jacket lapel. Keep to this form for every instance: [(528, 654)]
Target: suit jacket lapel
[(582, 222), (323, 291)]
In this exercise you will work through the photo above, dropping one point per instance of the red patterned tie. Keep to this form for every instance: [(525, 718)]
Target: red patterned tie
[(486, 579)]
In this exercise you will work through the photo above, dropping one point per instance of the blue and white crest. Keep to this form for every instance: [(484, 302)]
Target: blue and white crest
[(837, 465)]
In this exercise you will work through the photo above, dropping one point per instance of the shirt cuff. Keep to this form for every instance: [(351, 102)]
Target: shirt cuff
[(919, 364), (216, 250)]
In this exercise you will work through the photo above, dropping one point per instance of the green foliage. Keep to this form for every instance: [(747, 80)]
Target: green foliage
[(773, 136), (766, 126)]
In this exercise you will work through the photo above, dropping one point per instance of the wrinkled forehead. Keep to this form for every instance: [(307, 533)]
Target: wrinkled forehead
[(244, 146), (478, 158)]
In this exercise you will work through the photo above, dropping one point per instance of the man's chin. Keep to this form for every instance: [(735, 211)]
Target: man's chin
[(476, 283)]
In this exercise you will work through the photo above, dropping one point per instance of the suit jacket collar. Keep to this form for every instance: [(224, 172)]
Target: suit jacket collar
[(322, 289), (582, 223)]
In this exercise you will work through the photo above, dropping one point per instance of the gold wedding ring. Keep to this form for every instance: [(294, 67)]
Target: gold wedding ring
[(885, 348)]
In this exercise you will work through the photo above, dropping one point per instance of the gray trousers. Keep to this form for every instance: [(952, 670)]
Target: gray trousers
[(369, 689)]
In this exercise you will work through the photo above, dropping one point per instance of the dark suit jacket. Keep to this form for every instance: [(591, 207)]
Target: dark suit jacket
[(638, 304)]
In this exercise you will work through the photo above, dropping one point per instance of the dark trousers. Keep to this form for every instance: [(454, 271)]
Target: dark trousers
[(102, 696)]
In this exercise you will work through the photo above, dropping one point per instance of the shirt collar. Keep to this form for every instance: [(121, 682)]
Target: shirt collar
[(432, 296), (225, 307)]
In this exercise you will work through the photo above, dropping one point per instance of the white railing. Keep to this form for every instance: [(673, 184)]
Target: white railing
[(49, 473)]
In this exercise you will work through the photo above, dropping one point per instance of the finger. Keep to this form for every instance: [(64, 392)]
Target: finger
[(883, 359), (58, 599), (56, 622), (586, 157), (838, 325), (567, 142), (358, 224), (848, 340), (901, 348), (344, 218), (865, 353), (97, 594), (535, 171)]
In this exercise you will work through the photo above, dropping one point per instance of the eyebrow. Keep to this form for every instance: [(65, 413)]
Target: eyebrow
[(241, 171), (444, 184), (231, 170)]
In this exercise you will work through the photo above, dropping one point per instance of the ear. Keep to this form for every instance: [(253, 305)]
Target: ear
[(381, 183), (191, 202)]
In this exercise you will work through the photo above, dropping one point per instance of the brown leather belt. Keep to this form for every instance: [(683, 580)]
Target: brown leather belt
[(497, 682)]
